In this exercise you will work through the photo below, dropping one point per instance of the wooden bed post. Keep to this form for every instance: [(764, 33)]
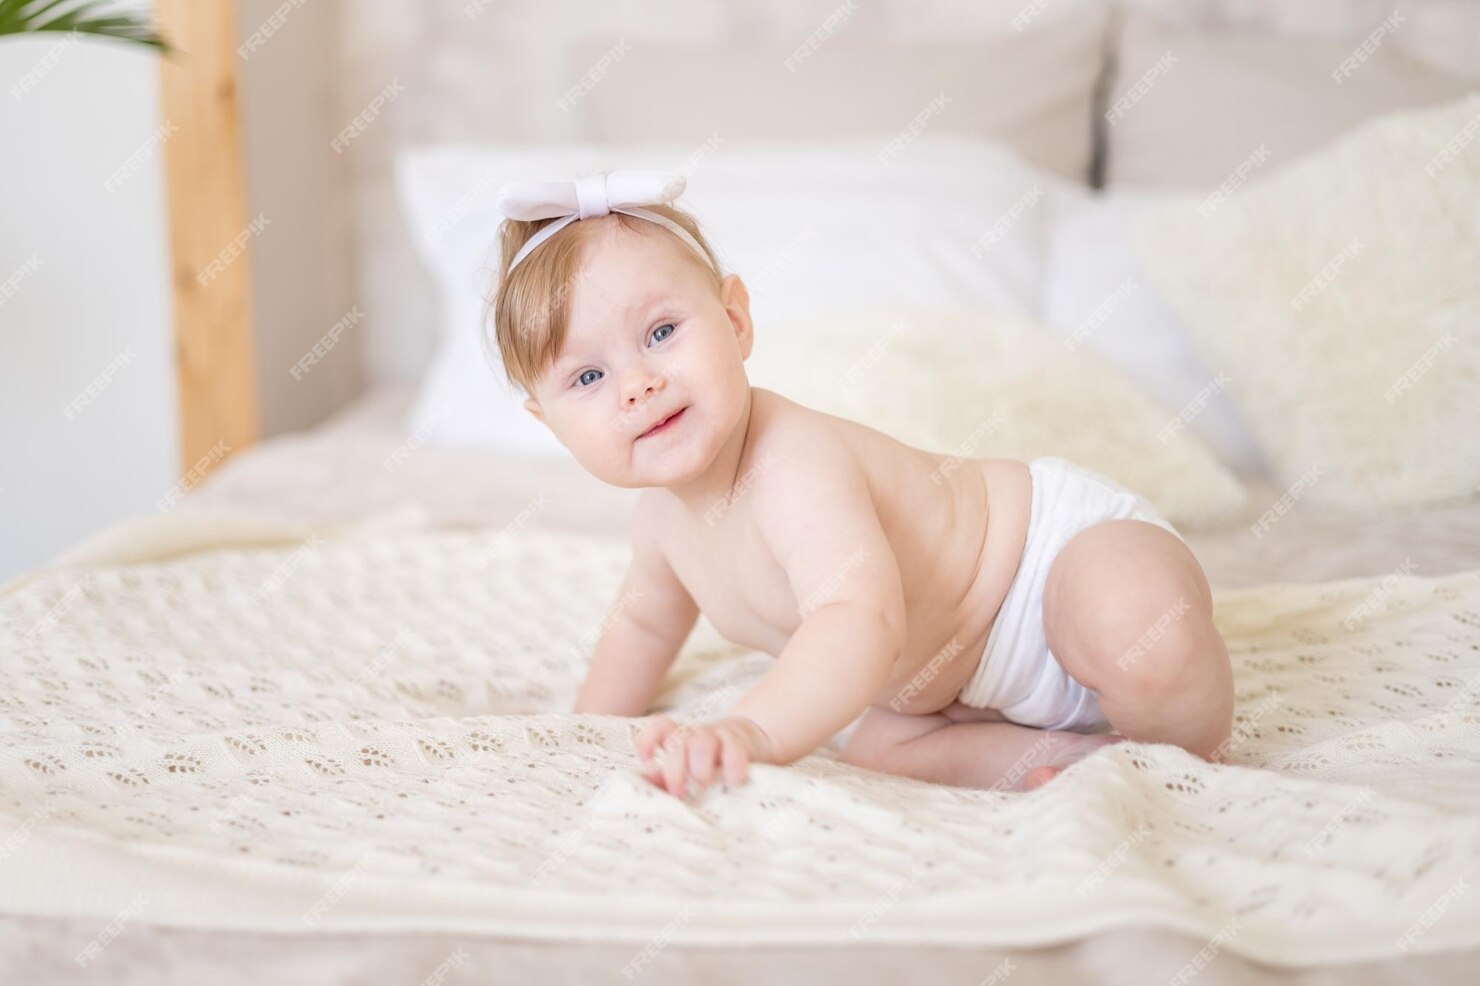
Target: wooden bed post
[(210, 234)]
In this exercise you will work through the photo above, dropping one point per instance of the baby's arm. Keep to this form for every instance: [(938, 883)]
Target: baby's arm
[(654, 615), (822, 527), (820, 523)]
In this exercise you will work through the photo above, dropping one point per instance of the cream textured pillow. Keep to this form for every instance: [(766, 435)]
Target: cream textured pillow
[(1341, 298), (976, 384)]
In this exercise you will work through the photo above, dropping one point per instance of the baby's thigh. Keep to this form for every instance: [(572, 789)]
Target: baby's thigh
[(1127, 606)]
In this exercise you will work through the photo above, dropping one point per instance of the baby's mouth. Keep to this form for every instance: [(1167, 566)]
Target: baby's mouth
[(665, 424)]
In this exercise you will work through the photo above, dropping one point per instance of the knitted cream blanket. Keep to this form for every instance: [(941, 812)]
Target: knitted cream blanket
[(369, 732)]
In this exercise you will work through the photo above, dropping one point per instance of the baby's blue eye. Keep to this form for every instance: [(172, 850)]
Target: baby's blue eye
[(582, 381)]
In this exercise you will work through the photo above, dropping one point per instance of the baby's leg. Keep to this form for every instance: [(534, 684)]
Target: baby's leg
[(1128, 613), (946, 748)]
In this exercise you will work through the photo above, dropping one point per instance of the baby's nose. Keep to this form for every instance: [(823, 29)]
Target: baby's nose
[(644, 389)]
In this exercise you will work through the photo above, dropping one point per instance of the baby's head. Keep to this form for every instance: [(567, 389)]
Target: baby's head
[(615, 323)]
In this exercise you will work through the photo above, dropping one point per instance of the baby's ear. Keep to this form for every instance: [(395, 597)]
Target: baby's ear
[(736, 299), (533, 407)]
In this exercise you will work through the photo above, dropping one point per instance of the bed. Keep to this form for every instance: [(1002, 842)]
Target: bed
[(152, 677), (332, 480)]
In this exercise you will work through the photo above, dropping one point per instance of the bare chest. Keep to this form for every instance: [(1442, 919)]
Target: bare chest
[(955, 567), (736, 583)]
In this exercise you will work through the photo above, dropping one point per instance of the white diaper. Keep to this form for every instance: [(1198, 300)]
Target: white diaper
[(1018, 675)]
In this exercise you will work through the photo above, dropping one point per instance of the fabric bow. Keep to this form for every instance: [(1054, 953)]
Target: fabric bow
[(591, 195), (588, 197)]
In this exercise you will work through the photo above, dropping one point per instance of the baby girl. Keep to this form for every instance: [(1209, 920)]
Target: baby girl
[(978, 623)]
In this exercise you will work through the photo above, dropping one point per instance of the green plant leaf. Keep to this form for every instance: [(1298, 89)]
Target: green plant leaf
[(92, 17)]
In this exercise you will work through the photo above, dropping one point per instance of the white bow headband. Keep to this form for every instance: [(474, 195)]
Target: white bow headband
[(591, 196)]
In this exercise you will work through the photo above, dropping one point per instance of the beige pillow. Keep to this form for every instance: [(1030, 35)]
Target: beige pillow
[(1191, 109), (976, 384), (1341, 298), (1031, 90)]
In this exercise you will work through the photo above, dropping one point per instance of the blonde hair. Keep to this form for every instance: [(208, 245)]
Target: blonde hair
[(531, 307)]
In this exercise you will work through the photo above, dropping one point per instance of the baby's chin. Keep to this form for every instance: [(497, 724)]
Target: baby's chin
[(648, 477), (669, 461), (668, 468)]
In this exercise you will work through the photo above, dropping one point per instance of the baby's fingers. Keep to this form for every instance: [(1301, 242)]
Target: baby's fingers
[(675, 768), (736, 762), (704, 756), (652, 735)]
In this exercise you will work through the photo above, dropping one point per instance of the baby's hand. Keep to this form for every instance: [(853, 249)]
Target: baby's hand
[(698, 752)]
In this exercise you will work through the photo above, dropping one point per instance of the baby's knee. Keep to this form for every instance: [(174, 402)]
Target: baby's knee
[(1216, 743), (1168, 656), (1159, 642)]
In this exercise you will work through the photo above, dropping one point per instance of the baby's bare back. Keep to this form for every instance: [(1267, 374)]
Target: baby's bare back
[(956, 526)]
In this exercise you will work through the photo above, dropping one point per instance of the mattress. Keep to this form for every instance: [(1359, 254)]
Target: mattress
[(360, 466)]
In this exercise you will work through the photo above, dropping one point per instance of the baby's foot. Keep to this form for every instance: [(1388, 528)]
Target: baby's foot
[(1066, 748)]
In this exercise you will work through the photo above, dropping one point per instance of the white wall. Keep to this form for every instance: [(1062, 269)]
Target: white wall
[(84, 282)]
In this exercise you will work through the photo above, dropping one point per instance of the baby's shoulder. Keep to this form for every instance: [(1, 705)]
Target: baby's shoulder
[(797, 451), (782, 426)]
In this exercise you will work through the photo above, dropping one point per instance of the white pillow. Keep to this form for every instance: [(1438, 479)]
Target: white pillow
[(1342, 297), (975, 384), (946, 220), (1096, 295)]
